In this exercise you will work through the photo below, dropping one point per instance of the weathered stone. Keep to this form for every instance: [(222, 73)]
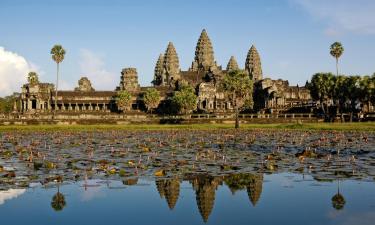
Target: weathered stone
[(171, 65), (232, 64), (204, 54), (84, 85), (158, 72), (129, 80), (253, 65)]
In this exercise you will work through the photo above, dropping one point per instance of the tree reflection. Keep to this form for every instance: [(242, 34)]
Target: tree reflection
[(338, 200), (58, 200)]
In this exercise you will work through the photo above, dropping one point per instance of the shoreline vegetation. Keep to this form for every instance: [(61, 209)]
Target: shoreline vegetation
[(363, 126)]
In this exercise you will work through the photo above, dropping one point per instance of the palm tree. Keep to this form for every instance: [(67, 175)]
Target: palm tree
[(58, 200), (239, 88), (58, 54), (336, 51), (338, 200)]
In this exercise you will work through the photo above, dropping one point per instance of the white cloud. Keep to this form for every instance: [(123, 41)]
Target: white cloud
[(13, 71), (93, 67), (9, 194), (356, 16)]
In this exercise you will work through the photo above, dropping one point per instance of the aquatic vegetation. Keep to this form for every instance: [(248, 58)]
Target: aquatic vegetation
[(27, 157)]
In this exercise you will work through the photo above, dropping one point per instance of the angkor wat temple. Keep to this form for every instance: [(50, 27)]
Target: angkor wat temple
[(205, 187), (204, 75)]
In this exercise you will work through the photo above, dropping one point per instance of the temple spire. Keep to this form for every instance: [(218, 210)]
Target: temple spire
[(158, 72), (204, 54), (171, 65), (253, 64), (232, 64)]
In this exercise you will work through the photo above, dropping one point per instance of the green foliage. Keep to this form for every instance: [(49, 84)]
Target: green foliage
[(344, 92), (338, 201), (124, 100), (58, 202), (239, 88), (32, 78), (185, 99), (58, 53), (151, 99), (336, 50), (6, 104)]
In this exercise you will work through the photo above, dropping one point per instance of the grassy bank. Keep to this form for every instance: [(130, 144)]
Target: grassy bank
[(306, 126)]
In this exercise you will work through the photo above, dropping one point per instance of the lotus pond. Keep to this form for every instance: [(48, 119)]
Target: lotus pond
[(216, 176)]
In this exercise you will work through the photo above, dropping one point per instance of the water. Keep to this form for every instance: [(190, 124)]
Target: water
[(282, 198)]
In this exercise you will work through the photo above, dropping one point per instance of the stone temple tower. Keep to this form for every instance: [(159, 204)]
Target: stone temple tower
[(204, 54), (253, 65), (232, 64), (129, 80), (171, 65), (158, 72)]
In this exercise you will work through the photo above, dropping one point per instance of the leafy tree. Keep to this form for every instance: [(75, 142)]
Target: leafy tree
[(367, 90), (185, 99), (338, 200), (339, 94), (58, 54), (151, 99), (239, 88), (32, 78), (58, 200), (124, 100), (321, 89), (336, 51), (7, 103), (352, 93)]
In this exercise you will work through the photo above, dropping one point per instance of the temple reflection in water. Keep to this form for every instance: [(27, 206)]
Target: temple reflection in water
[(205, 187)]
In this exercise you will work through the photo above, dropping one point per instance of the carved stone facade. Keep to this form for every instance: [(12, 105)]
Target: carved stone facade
[(278, 95), (204, 75), (204, 54), (129, 80), (232, 64), (84, 85), (253, 65)]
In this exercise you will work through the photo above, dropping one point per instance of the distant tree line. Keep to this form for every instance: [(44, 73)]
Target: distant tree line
[(336, 95)]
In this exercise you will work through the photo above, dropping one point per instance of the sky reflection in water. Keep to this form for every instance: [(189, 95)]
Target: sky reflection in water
[(239, 199)]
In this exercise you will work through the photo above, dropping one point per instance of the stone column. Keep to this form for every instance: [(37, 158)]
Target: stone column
[(23, 106)]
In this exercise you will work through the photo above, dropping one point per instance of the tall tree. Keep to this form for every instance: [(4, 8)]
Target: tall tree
[(124, 100), (339, 96), (151, 99), (58, 54), (338, 200), (336, 51), (239, 88), (352, 93), (185, 99), (321, 89), (58, 200)]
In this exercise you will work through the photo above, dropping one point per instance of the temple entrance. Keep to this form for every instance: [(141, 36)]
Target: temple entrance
[(33, 104)]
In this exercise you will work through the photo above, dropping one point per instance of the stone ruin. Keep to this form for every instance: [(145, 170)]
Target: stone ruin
[(84, 85), (253, 65), (129, 80)]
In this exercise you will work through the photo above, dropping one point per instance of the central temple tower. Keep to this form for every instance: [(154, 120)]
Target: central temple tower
[(204, 54)]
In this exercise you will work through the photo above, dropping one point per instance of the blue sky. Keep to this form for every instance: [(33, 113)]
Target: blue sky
[(102, 37)]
